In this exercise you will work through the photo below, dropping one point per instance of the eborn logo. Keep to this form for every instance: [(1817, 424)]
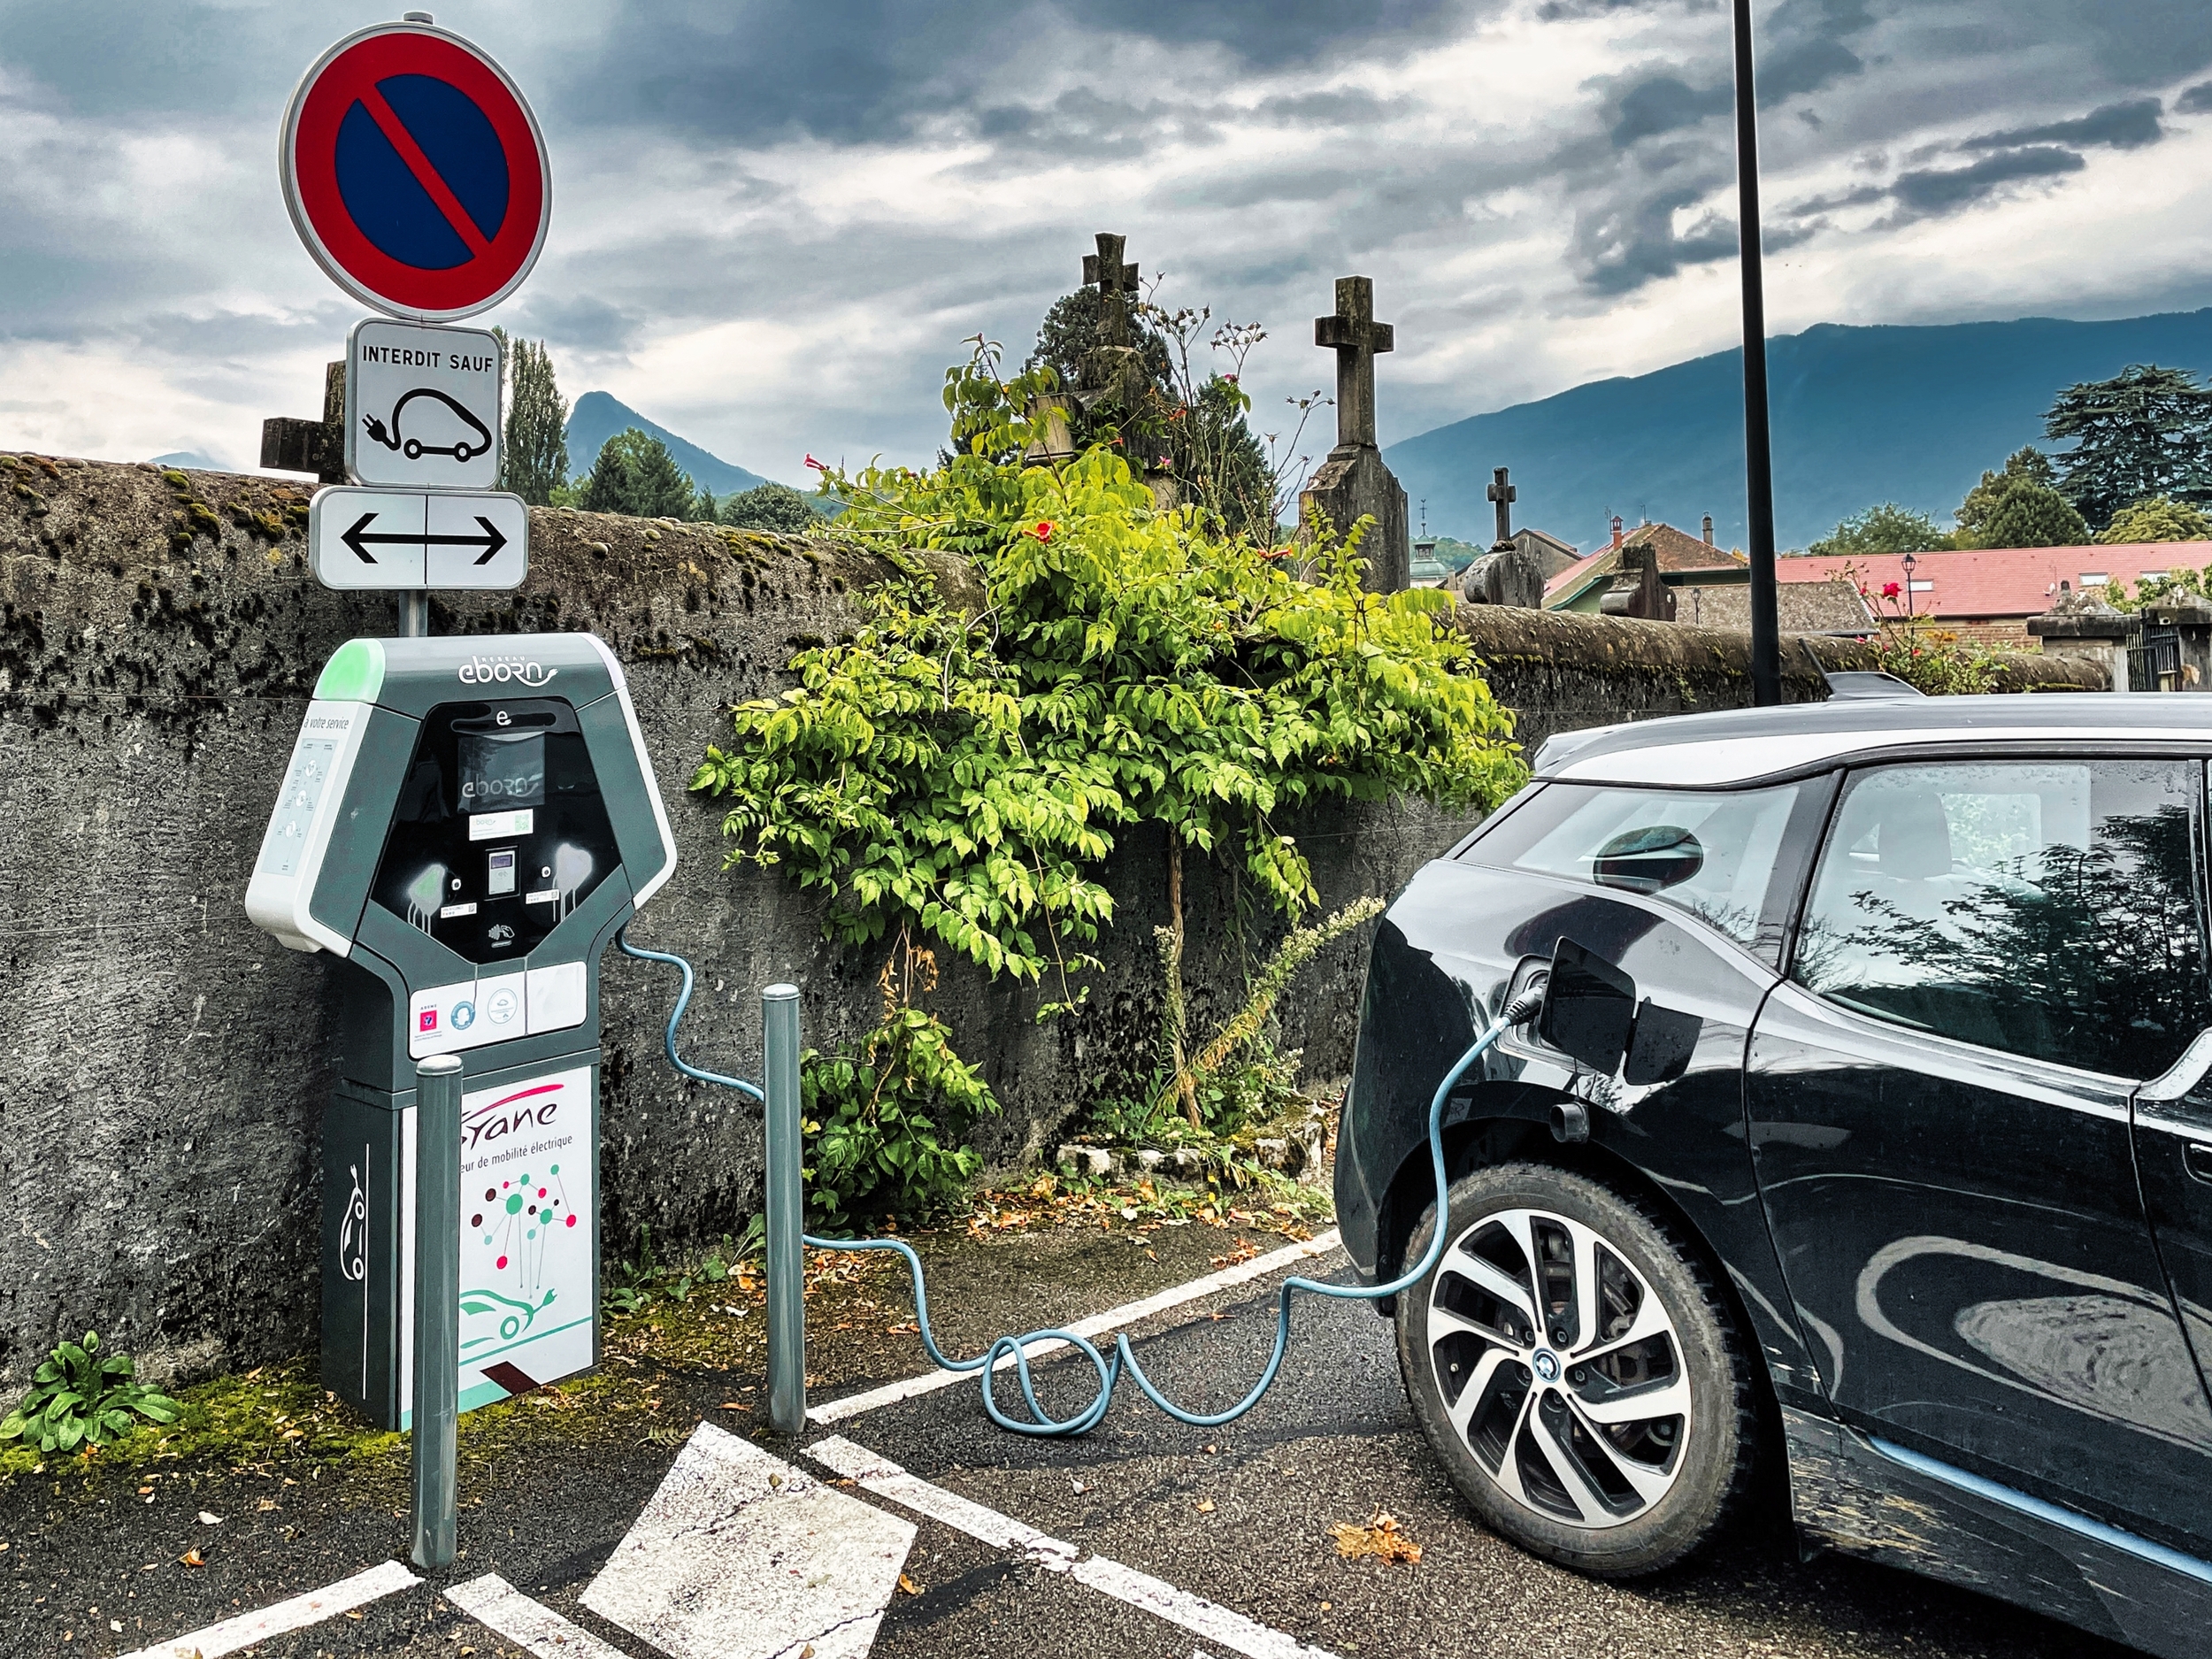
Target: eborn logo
[(477, 672)]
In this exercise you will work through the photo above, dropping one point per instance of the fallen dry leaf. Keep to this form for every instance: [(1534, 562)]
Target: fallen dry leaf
[(192, 1557), (1379, 1538), (1205, 1506), (909, 1586), (210, 1520), (735, 1405)]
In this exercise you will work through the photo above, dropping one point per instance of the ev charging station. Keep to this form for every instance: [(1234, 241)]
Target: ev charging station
[(467, 822)]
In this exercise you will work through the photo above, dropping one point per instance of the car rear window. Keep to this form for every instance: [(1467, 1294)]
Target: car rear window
[(1709, 852)]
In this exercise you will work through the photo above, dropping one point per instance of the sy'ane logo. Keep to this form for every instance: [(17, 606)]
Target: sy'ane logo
[(477, 672)]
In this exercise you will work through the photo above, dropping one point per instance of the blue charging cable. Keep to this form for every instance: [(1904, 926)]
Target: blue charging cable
[(1109, 1368)]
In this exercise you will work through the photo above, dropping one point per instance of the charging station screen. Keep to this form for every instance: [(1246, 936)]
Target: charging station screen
[(500, 830), (500, 770)]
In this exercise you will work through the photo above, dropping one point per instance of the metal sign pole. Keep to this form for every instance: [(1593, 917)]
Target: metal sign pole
[(784, 1201), (437, 1378)]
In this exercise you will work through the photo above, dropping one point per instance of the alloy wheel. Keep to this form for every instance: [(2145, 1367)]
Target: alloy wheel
[(1559, 1367)]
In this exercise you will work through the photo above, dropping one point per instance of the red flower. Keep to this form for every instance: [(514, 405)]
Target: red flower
[(1890, 590), (816, 464), (1043, 531)]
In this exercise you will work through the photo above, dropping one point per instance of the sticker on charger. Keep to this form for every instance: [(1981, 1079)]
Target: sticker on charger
[(491, 827)]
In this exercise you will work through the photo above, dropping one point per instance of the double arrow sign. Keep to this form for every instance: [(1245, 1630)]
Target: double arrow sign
[(361, 539), (383, 538)]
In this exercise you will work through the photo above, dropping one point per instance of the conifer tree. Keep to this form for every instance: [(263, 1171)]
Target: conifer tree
[(2145, 432), (535, 462), (634, 474)]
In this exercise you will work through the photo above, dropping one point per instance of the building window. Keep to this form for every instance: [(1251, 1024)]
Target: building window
[(2093, 579)]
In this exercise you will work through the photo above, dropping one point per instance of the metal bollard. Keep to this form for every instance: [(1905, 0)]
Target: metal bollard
[(437, 1369), (787, 1220)]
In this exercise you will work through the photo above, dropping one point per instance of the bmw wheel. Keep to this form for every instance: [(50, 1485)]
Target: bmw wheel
[(1578, 1372)]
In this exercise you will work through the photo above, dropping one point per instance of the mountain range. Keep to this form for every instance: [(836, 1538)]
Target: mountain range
[(597, 415), (1906, 413)]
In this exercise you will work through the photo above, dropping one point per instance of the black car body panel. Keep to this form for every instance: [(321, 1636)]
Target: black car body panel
[(1461, 940), (1981, 1280)]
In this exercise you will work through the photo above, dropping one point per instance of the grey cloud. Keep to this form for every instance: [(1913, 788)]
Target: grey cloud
[(1945, 190), (882, 68), (583, 322), (1623, 245), (2195, 101), (1800, 48), (2129, 125), (1653, 104)]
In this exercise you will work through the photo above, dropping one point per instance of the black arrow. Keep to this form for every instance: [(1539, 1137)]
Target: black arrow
[(360, 540)]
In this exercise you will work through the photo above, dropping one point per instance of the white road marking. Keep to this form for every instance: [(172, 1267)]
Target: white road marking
[(505, 1611), (234, 1634), (740, 1556), (1194, 1613), (1112, 1319)]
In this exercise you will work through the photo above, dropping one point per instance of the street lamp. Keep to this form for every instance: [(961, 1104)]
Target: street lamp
[(1909, 563)]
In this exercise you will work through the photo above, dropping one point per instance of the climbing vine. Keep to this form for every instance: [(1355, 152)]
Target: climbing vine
[(961, 775)]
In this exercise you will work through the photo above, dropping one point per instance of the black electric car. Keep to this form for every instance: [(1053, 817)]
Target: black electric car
[(1873, 1135)]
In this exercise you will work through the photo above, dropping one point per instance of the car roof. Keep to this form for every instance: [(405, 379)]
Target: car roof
[(1736, 746)]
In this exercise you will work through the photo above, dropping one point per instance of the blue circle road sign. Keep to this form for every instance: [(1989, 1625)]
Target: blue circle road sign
[(415, 173)]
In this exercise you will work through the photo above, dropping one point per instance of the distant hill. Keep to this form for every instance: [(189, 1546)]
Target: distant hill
[(190, 461), (598, 415), (1860, 415)]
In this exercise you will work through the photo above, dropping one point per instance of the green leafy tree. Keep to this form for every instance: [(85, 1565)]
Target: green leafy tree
[(2145, 432), (1888, 528), (534, 461), (770, 506), (634, 474), (2158, 518), (962, 776), (2019, 507)]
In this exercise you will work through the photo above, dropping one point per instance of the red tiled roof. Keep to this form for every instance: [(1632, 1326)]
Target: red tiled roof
[(2002, 581)]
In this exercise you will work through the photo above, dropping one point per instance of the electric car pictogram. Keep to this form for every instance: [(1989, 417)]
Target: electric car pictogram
[(412, 446), (1867, 1138)]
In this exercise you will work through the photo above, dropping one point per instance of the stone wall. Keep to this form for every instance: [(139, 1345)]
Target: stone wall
[(162, 1065)]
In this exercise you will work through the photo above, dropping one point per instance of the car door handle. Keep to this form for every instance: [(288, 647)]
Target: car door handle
[(2198, 1161)]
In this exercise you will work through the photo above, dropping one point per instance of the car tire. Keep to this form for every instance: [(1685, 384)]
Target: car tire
[(1591, 1466)]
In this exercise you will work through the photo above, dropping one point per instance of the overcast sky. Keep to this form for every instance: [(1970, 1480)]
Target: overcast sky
[(774, 222)]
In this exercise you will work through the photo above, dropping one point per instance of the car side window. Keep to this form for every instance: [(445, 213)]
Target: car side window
[(1709, 852), (2047, 910)]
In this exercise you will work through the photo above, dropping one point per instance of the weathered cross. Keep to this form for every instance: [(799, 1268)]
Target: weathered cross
[(1356, 337), (1505, 495), (1116, 282)]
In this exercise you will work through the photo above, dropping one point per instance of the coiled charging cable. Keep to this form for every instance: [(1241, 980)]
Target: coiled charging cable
[(1111, 1367)]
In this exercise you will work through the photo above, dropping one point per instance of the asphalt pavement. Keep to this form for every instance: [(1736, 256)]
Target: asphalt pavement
[(1235, 1520)]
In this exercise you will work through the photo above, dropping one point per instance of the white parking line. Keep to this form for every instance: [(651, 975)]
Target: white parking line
[(1194, 1613), (740, 1556), (505, 1611), (234, 1634), (1113, 1320)]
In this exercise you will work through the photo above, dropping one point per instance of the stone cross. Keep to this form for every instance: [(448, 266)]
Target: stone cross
[(1504, 495), (1116, 283), (1356, 337)]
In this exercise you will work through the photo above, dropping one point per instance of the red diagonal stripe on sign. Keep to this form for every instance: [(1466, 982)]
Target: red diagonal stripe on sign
[(426, 175)]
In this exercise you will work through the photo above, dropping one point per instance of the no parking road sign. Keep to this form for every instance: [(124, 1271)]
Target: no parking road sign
[(415, 173)]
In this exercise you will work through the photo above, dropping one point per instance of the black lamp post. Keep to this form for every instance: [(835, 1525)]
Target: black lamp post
[(1910, 563), (1766, 640)]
